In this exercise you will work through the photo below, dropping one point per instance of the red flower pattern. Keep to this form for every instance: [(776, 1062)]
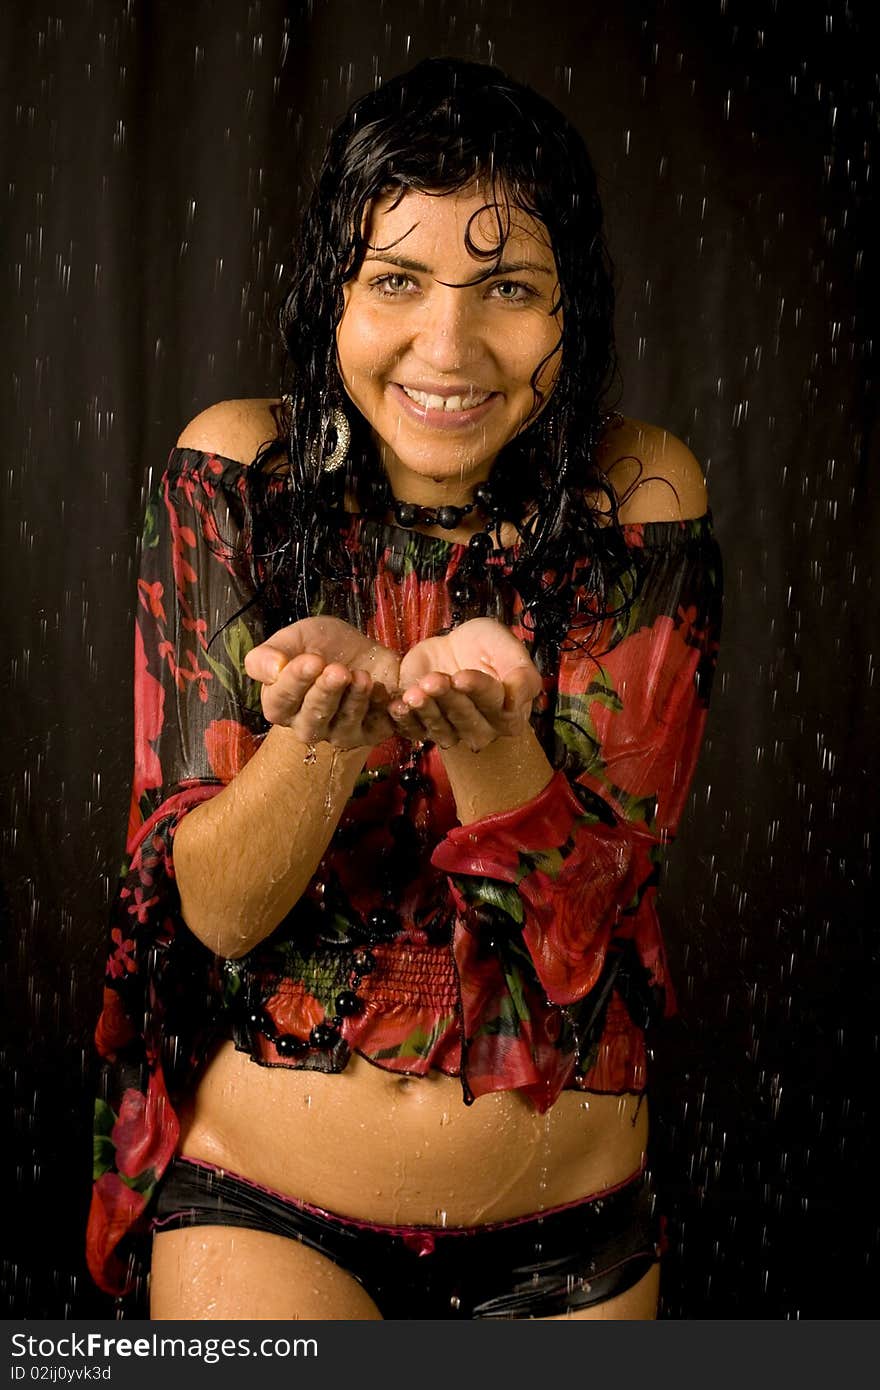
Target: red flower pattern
[(141, 906), (149, 709), (150, 596), (576, 874), (115, 1209), (115, 1029), (121, 959), (229, 745), (145, 1134), (650, 745)]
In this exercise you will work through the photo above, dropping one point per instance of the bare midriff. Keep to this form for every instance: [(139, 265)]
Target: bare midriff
[(379, 1147)]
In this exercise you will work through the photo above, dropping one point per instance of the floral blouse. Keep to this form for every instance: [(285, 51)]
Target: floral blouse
[(520, 952)]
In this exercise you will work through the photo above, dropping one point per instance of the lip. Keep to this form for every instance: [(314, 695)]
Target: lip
[(441, 419)]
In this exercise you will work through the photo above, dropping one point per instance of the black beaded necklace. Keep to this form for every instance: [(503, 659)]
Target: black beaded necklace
[(411, 514), (448, 517)]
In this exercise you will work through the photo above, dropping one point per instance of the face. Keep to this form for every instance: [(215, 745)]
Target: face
[(441, 368)]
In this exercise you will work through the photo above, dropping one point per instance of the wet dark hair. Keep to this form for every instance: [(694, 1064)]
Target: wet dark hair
[(444, 126)]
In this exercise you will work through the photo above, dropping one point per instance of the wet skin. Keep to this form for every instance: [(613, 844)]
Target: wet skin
[(414, 318), (422, 1157), (385, 1149)]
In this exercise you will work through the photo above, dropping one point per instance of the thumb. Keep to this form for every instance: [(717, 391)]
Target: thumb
[(265, 663), (523, 685)]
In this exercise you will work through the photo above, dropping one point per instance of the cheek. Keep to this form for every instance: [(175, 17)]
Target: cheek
[(363, 345), (524, 364), (349, 350)]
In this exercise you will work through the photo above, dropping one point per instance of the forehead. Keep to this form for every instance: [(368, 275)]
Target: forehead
[(455, 224)]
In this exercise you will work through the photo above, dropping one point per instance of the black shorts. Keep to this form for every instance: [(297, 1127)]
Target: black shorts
[(536, 1266)]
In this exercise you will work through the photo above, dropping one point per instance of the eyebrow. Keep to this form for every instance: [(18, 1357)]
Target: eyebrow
[(505, 268)]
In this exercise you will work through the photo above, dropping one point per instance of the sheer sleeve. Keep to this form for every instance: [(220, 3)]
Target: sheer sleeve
[(197, 720), (557, 897)]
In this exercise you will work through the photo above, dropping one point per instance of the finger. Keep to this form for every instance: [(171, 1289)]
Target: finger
[(406, 723), (346, 728), (490, 698), (302, 670), (468, 721), (517, 687), (431, 717), (322, 703), (283, 697), (434, 684), (265, 663), (365, 695), (516, 666), (431, 684), (486, 691), (379, 696), (310, 714), (328, 690), (522, 686)]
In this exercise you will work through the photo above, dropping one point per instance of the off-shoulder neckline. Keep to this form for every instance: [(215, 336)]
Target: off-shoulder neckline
[(638, 533)]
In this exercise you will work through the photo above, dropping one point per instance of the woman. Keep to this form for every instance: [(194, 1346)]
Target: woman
[(423, 658)]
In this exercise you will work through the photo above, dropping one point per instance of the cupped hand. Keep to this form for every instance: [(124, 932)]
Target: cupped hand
[(472, 686), (327, 682)]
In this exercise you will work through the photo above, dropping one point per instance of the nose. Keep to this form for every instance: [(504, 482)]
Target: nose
[(448, 336)]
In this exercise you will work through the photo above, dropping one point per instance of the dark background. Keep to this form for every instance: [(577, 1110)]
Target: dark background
[(154, 157)]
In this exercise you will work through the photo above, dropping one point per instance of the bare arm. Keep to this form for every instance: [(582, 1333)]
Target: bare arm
[(244, 858), (501, 776), (471, 693), (492, 769)]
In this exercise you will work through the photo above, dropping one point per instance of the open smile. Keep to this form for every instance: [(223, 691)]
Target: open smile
[(459, 410)]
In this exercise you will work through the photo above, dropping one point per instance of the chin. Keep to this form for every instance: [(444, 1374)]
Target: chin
[(454, 472), (443, 467)]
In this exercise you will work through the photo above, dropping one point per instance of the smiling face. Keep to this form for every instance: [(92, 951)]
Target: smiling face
[(442, 367)]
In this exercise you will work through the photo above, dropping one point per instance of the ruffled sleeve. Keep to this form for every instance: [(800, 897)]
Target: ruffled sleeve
[(558, 931), (197, 720)]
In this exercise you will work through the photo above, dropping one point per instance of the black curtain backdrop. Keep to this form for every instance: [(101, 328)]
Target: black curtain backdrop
[(154, 158)]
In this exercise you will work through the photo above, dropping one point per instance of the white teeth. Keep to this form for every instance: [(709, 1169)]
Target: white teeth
[(448, 403)]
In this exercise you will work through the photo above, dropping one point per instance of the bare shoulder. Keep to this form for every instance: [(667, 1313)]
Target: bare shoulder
[(233, 429), (654, 474)]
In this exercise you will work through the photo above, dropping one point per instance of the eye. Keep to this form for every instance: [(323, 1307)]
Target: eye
[(391, 286), (513, 291)]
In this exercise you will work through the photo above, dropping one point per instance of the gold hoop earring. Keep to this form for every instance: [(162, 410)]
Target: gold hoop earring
[(336, 458), (338, 426)]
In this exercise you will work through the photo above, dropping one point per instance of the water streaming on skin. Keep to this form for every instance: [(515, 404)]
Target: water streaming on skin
[(330, 792)]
